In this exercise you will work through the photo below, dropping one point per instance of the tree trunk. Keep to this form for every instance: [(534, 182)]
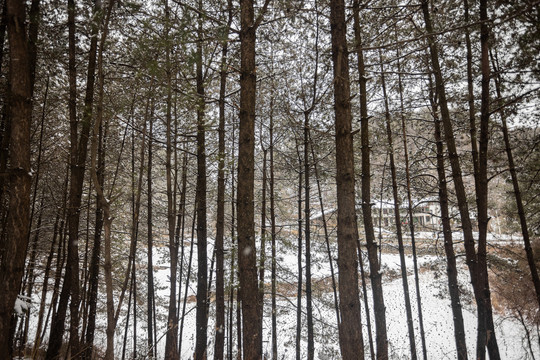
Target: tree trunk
[(262, 256), (249, 292), (299, 287), (188, 275), (410, 209), (517, 192), (171, 342), (20, 180), (451, 267), (200, 201), (374, 266), (307, 210), (273, 232), (350, 337), (327, 239), (478, 272), (150, 239), (397, 217), (219, 343), (482, 191)]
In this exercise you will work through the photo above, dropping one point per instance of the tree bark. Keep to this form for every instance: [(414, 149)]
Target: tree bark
[(517, 192), (374, 264), (451, 267), (219, 343), (397, 217), (200, 201), (171, 340), (249, 292), (350, 337), (299, 282), (478, 271), (20, 179)]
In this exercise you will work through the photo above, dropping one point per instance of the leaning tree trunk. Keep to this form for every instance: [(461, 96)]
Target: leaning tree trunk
[(517, 192), (482, 191), (451, 266), (478, 272), (397, 217), (374, 264)]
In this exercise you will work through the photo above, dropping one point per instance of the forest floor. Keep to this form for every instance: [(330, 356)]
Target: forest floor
[(516, 334)]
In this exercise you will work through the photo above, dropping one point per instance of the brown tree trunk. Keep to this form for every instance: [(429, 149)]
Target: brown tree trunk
[(482, 190), (470, 92), (299, 283), (219, 343), (451, 267), (273, 231), (327, 239), (374, 266), (78, 155), (188, 276), (249, 293), (262, 256), (350, 337), (20, 180), (397, 217), (150, 240), (200, 201), (410, 208), (478, 271), (171, 339), (517, 192)]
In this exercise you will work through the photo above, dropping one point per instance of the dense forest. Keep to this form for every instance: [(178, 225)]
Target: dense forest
[(272, 179)]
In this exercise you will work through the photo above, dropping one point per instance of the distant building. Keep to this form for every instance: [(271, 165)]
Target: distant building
[(426, 213)]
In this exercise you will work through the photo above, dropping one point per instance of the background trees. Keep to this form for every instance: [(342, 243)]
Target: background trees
[(198, 119)]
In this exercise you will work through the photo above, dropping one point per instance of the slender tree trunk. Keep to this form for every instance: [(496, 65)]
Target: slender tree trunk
[(451, 267), (78, 151), (46, 276), (327, 238), (202, 257), (299, 287), (478, 271), (188, 275), (171, 342), (262, 256), (482, 187), (410, 209), (307, 211), (515, 184), (181, 234), (150, 240), (219, 343), (33, 252), (273, 232), (350, 337), (397, 218), (374, 265), (96, 256), (470, 92), (232, 284)]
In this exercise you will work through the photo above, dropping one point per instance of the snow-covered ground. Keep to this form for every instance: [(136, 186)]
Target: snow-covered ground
[(436, 309)]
